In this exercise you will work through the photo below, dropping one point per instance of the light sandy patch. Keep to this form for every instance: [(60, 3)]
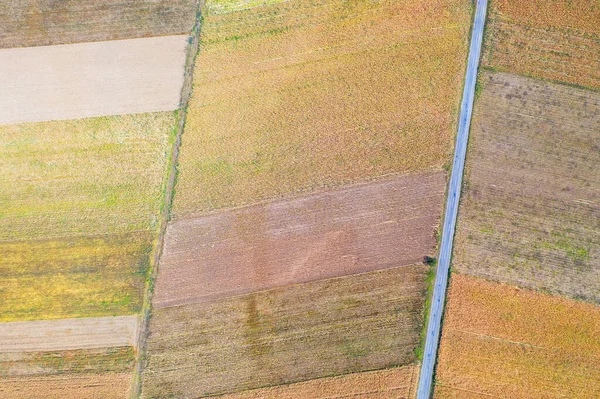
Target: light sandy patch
[(91, 79), (102, 386), (66, 334)]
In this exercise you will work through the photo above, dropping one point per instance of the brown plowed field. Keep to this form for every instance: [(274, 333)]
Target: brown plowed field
[(302, 95), (312, 330), (397, 383), (501, 341), (65, 334), (101, 386), (530, 214), (352, 230), (556, 40), (26, 23)]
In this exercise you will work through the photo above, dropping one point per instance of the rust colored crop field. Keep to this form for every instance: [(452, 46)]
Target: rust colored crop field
[(79, 202), (27, 23), (300, 95), (502, 341), (555, 40), (295, 333), (92, 386), (346, 231), (396, 383), (530, 215)]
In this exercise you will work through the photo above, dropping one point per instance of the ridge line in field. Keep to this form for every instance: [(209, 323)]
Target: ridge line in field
[(426, 377), (186, 91)]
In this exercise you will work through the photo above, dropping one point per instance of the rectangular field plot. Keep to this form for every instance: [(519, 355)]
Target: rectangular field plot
[(501, 341), (312, 330), (556, 40), (89, 386), (27, 23), (346, 231), (91, 79), (395, 383), (531, 210), (299, 95), (79, 202)]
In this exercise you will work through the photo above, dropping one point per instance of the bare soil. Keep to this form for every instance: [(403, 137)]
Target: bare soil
[(64, 334), (27, 23), (91, 79), (502, 341), (352, 230), (397, 383), (330, 327), (530, 215), (102, 386)]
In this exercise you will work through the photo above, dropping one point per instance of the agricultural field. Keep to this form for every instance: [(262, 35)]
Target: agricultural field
[(530, 214), (394, 383), (352, 230), (90, 386), (79, 205), (502, 341), (27, 23), (91, 79), (295, 96), (319, 329), (554, 40)]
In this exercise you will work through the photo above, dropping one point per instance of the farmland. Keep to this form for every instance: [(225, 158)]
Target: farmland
[(502, 341), (395, 383), (293, 97), (530, 214), (555, 40), (91, 386), (91, 79), (318, 329), (27, 23), (346, 231), (79, 205)]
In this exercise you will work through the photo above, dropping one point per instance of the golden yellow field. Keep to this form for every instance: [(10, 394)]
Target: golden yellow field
[(79, 204), (502, 341), (300, 95), (556, 40)]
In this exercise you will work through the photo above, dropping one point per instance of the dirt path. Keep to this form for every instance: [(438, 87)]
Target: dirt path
[(67, 334), (352, 230), (91, 79)]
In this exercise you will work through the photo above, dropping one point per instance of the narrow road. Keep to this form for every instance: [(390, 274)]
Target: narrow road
[(441, 278)]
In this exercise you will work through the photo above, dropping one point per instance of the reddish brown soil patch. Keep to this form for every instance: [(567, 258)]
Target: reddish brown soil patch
[(357, 229)]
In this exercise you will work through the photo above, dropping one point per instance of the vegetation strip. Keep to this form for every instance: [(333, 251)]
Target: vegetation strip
[(454, 191), (91, 79), (186, 91), (64, 334), (347, 324), (351, 230)]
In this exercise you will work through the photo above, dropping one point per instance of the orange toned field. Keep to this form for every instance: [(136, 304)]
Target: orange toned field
[(557, 40), (397, 383), (93, 386), (301, 95), (501, 341)]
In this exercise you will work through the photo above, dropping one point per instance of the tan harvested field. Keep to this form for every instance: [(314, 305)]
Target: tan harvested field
[(502, 341), (335, 233), (91, 386), (397, 383), (312, 330), (300, 95), (65, 334), (79, 202), (27, 23), (530, 214), (556, 40), (91, 79)]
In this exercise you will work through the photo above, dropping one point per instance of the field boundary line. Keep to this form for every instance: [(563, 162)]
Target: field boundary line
[(169, 190), (424, 389)]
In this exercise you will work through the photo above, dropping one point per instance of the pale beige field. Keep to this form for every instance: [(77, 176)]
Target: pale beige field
[(91, 79)]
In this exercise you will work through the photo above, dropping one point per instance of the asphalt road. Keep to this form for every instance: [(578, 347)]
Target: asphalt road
[(441, 278)]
